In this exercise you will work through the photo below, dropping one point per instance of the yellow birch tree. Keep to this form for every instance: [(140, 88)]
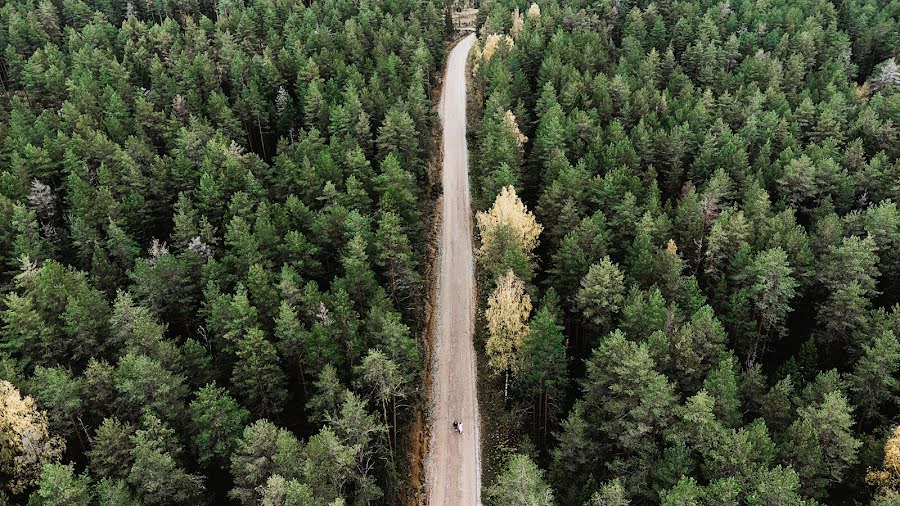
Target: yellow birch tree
[(492, 45), (512, 126), (507, 217), (507, 320), (887, 479), (517, 23), (25, 442)]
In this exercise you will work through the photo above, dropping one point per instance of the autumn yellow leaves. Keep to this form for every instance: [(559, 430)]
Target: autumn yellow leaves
[(509, 234), (887, 479), (495, 41), (507, 224), (25, 442), (507, 321)]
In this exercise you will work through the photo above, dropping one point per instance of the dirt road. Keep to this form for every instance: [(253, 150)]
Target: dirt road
[(454, 466)]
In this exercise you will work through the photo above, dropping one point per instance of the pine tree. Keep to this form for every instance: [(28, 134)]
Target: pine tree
[(217, 421), (855, 259), (611, 494), (142, 383), (397, 134), (257, 377), (24, 330), (520, 483), (629, 404), (110, 453), (831, 419), (722, 384), (582, 247), (690, 352), (328, 465), (395, 187), (395, 257), (281, 492), (59, 486), (574, 457), (543, 376), (644, 313), (802, 451), (602, 294), (873, 381), (264, 450), (63, 395), (771, 290), (357, 429), (155, 474), (844, 317), (386, 383)]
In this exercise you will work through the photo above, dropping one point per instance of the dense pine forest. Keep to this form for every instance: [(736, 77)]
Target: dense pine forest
[(689, 261), (211, 253), (216, 226)]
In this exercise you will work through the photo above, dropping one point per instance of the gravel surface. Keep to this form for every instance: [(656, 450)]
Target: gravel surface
[(454, 466)]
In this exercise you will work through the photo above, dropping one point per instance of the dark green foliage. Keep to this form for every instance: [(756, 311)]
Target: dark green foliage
[(59, 486), (521, 482), (264, 450), (109, 456), (217, 421), (215, 213), (156, 476), (206, 204), (717, 187), (257, 379)]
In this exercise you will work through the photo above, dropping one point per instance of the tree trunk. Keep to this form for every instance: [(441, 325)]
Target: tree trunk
[(546, 413), (384, 412), (249, 134), (262, 142), (302, 378), (506, 388), (78, 433), (394, 408)]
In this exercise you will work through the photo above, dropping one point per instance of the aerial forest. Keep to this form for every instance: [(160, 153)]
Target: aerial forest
[(217, 227), (689, 255), (210, 263), (689, 251)]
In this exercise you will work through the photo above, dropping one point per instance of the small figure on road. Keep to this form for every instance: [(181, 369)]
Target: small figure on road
[(457, 426)]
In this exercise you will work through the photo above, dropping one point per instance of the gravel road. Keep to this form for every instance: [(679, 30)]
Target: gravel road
[(454, 466)]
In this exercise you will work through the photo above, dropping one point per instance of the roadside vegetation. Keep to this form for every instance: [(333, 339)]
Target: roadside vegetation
[(210, 252), (688, 263)]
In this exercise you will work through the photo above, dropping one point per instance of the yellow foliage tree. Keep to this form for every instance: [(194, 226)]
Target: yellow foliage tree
[(534, 12), (512, 126), (507, 320), (887, 479), (475, 57), (517, 23), (507, 217), (492, 44), (25, 443), (671, 247)]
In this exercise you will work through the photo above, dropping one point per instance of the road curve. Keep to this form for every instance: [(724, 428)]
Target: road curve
[(454, 465)]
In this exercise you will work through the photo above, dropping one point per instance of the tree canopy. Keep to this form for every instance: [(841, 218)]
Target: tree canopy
[(210, 205), (715, 188)]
